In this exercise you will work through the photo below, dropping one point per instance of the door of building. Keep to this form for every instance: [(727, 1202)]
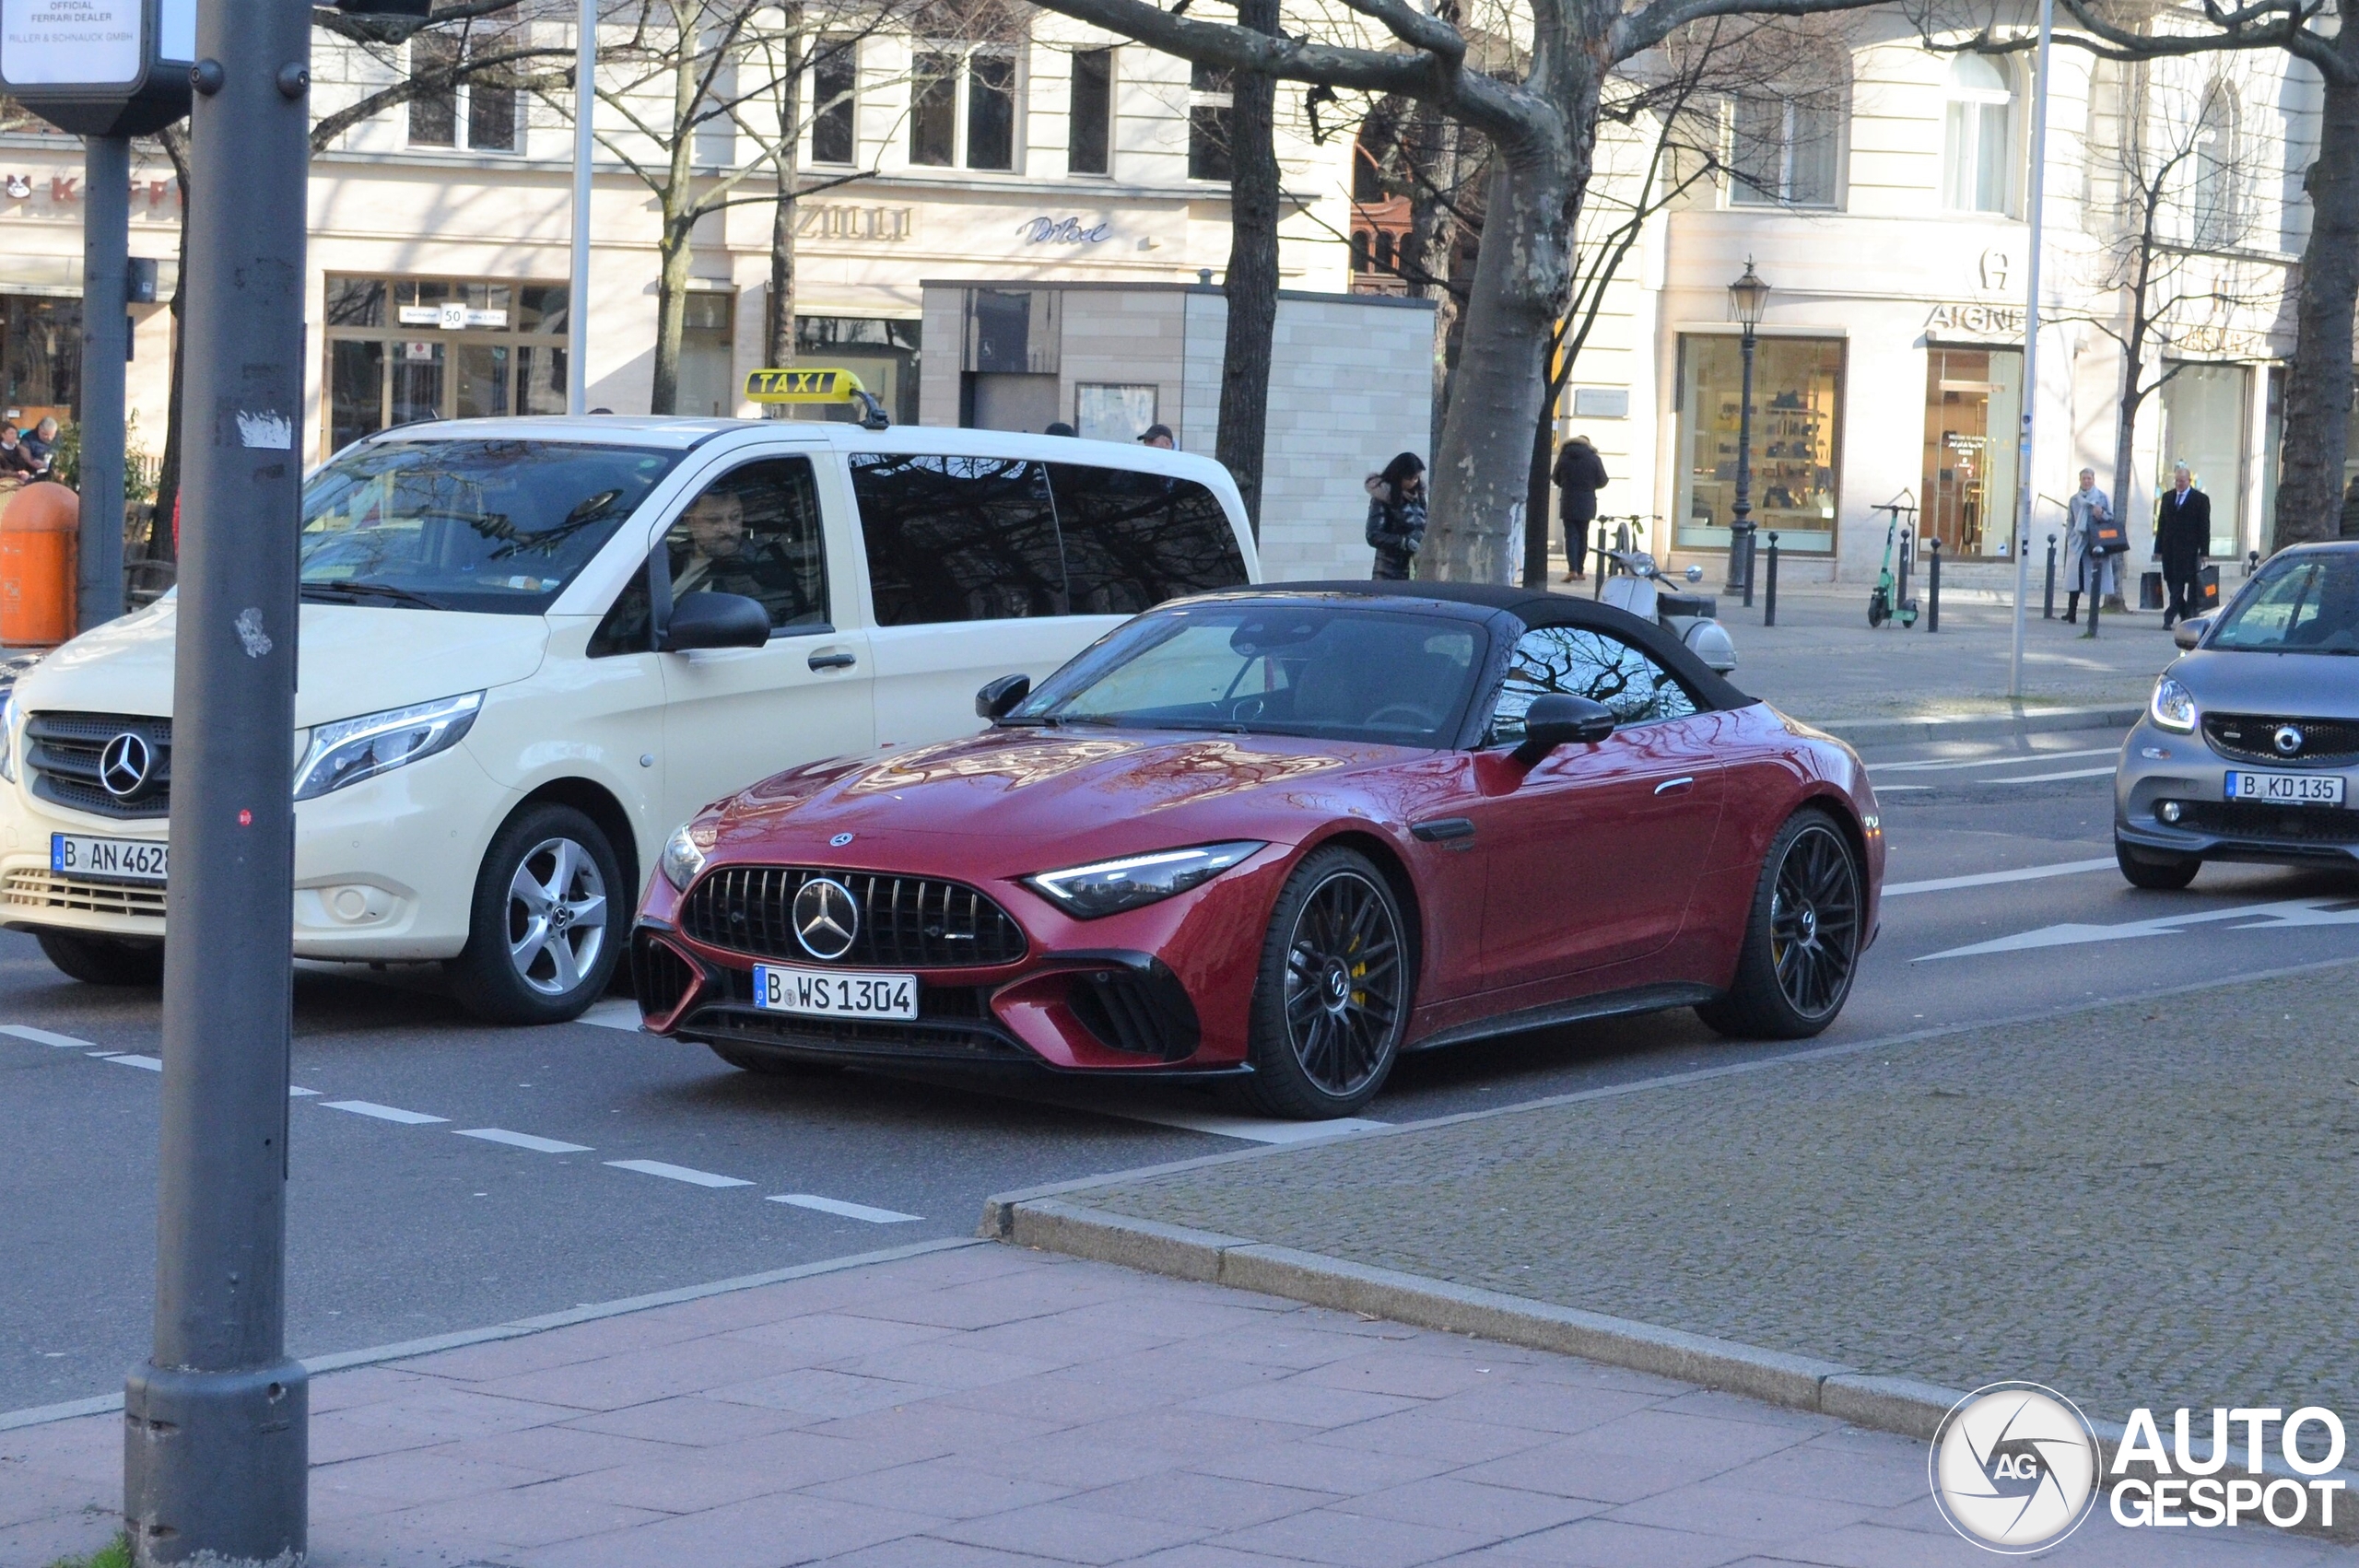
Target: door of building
[(400, 350), (1973, 405), (2206, 415)]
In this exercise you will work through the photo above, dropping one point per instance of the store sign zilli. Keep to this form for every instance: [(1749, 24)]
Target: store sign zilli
[(816, 220)]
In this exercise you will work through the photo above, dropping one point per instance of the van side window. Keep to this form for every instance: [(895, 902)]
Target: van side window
[(755, 531), (957, 538), (1577, 662), (1134, 540), (626, 627)]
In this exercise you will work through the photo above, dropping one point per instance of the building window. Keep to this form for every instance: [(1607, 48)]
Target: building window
[(835, 87), (987, 78), (472, 114), (1797, 450), (400, 350), (1973, 405), (1785, 150), (2206, 415), (1209, 99), (1978, 143), (41, 357), (2215, 195), (1089, 133)]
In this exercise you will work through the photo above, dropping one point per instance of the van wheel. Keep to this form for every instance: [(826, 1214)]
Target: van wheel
[(103, 960), (541, 942)]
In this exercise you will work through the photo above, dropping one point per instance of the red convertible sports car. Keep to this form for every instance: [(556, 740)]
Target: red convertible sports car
[(1279, 836)]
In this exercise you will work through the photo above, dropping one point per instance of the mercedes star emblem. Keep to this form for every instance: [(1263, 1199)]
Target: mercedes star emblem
[(2288, 740), (124, 765), (826, 918), (839, 840)]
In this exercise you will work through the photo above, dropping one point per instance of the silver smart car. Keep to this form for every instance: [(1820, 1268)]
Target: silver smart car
[(2251, 748)]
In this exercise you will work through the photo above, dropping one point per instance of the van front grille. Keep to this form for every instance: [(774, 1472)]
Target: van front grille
[(37, 889), (66, 759)]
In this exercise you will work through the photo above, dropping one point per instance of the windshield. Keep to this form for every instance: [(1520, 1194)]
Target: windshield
[(2307, 603), (1315, 670), (485, 525)]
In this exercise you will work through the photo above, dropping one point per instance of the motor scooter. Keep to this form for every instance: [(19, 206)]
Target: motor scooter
[(1694, 618)]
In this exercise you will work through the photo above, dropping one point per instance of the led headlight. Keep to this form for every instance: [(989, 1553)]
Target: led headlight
[(352, 749), (9, 737), (2173, 707), (684, 855), (1109, 887)]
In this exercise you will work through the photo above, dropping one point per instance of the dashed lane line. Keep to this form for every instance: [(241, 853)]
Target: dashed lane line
[(1992, 878), (842, 1209), (45, 1038), (620, 1013), (2051, 778), (383, 1113), (1941, 766), (678, 1173), (151, 1063), (522, 1140)]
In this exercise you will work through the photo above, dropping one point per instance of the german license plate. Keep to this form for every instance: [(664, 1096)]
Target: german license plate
[(115, 860), (2287, 789), (829, 994)]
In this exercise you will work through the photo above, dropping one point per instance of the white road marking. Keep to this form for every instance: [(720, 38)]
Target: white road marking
[(149, 1062), (1254, 1130), (522, 1140), (619, 1013), (383, 1113), (44, 1037), (2275, 917), (1987, 879), (848, 1211), (1876, 767), (2050, 778), (297, 1092), (678, 1173)]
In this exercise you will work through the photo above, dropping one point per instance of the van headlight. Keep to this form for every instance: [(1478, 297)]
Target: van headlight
[(684, 855), (1109, 887), (2173, 707), (353, 749), (9, 737)]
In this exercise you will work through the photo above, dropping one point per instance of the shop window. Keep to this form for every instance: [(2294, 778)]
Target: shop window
[(400, 350), (707, 383), (1210, 97), (834, 85), (957, 538), (985, 78), (1797, 444), (1973, 409), (2206, 413), (474, 113), (1090, 127), (1979, 137), (1785, 150)]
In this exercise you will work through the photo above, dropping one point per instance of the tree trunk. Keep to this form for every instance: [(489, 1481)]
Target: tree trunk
[(671, 315), (2317, 381), (777, 321), (161, 544), (1252, 283)]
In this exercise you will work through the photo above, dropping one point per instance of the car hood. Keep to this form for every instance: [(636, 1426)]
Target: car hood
[(354, 660), (1029, 798), (2300, 686)]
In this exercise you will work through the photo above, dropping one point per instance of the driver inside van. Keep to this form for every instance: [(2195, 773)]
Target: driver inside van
[(717, 547)]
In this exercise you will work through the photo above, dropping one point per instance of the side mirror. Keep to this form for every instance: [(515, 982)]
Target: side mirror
[(2189, 632), (715, 620), (998, 699), (1558, 720)]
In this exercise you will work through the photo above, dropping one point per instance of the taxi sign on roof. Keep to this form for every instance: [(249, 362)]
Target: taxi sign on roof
[(801, 386)]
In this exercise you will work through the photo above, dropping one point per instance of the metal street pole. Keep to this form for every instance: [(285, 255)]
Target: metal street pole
[(1741, 522), (215, 1425), (585, 108), (2024, 486), (106, 249)]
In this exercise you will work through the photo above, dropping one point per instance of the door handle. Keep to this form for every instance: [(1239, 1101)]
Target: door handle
[(1668, 785), (1442, 829), (836, 659)]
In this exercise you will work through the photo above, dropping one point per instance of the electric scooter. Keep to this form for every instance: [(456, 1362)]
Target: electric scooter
[(1884, 601), (1640, 588)]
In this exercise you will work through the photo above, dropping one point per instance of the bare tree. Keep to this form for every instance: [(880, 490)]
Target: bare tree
[(1251, 281)]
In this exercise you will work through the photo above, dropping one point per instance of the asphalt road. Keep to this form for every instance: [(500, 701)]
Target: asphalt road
[(408, 1226)]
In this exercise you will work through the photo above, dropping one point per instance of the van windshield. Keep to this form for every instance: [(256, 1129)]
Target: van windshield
[(480, 526)]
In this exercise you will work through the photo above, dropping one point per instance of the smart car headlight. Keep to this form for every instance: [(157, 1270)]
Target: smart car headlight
[(1109, 887), (353, 749), (9, 737), (2173, 707), (684, 854)]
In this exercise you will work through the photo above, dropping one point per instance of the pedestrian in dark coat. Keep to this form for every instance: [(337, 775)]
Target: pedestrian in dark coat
[(1580, 475), (1396, 516), (2182, 538)]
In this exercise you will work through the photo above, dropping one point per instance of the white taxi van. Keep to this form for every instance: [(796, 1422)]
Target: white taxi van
[(532, 648)]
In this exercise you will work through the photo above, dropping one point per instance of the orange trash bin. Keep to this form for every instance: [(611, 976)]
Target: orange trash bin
[(38, 536)]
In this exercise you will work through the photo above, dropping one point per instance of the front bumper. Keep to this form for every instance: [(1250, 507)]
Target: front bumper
[(2157, 766)]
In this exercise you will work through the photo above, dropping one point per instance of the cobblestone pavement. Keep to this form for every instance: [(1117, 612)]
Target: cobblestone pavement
[(991, 1407), (2145, 1204)]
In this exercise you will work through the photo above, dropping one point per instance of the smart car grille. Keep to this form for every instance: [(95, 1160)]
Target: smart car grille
[(906, 922), (2244, 819), (2252, 737), (62, 753)]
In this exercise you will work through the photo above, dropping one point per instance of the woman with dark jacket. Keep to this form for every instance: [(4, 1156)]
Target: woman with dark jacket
[(1579, 475), (1396, 516)]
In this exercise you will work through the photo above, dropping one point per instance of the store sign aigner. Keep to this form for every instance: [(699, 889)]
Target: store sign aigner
[(100, 67)]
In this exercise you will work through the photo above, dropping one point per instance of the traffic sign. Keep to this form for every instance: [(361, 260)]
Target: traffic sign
[(100, 67)]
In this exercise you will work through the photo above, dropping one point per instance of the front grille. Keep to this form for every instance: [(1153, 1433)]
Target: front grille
[(2250, 737), (906, 922), (38, 889), (62, 753), (660, 977), (2246, 819), (934, 1038)]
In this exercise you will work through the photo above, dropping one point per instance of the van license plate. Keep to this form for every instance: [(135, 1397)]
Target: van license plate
[(115, 860), (2287, 789), (827, 993)]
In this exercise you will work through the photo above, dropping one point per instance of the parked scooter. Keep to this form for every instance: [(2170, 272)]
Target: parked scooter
[(1887, 601), (1640, 588)]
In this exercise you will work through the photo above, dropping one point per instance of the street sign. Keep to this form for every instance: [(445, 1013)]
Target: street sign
[(100, 67)]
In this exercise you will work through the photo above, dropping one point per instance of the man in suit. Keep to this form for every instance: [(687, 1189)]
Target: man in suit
[(2182, 538)]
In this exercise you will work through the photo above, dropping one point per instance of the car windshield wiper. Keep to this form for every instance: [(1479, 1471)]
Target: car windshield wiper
[(340, 589)]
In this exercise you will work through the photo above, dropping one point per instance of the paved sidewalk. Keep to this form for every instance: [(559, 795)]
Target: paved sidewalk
[(989, 1406)]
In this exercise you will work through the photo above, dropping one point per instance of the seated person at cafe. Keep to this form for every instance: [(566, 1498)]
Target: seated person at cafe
[(14, 460)]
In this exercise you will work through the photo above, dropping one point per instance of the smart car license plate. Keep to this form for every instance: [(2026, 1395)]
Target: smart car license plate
[(2287, 789), (828, 993), (114, 859)]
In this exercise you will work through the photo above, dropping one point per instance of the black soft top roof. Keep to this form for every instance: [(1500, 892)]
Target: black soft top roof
[(1533, 607)]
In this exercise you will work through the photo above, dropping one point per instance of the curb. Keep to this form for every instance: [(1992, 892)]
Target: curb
[(1977, 726)]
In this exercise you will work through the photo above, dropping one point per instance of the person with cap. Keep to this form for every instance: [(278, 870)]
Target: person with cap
[(1396, 516), (1159, 436)]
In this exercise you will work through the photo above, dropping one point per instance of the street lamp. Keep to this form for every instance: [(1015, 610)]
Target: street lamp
[(1748, 296)]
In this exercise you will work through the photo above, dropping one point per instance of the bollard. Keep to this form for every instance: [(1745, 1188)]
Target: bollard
[(1597, 588), (1933, 585), (2252, 562), (1769, 589), (1748, 568), (2048, 607), (2093, 577)]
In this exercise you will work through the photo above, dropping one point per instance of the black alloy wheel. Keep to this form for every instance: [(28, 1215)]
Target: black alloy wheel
[(1802, 941), (1333, 1000)]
